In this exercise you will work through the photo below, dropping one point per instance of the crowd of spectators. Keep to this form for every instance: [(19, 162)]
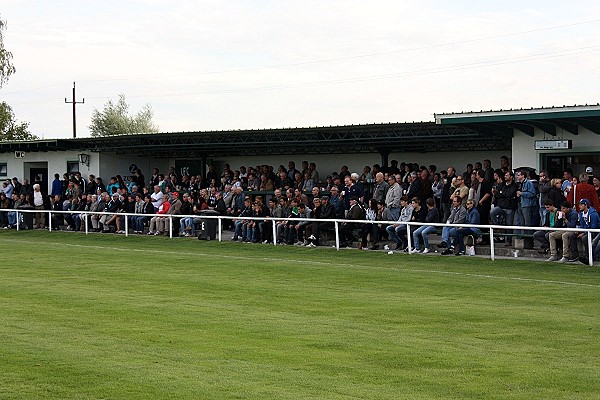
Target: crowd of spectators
[(405, 192)]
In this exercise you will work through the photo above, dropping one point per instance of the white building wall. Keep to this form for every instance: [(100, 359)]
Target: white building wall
[(523, 146), (328, 163)]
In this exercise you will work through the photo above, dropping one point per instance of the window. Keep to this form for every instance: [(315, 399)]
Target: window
[(72, 166), (3, 170)]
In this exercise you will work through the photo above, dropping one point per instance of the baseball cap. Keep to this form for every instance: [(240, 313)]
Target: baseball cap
[(584, 201), (589, 170)]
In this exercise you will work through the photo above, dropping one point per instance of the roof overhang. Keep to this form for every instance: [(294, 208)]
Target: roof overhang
[(549, 120)]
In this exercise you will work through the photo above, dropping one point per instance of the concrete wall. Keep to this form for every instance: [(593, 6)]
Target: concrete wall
[(326, 164)]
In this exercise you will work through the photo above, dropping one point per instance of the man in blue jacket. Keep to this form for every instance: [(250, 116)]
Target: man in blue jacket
[(588, 219), (526, 200)]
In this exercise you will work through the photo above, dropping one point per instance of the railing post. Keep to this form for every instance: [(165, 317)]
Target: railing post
[(274, 229), (18, 220), (590, 249), (492, 249), (50, 221), (219, 227), (170, 226), (408, 237), (337, 235), (87, 228), (126, 225)]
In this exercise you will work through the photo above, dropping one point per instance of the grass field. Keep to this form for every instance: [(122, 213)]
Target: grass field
[(110, 317)]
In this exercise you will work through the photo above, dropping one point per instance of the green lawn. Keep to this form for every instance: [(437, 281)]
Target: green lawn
[(110, 317)]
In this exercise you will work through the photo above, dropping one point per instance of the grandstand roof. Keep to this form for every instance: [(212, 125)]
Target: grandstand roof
[(368, 138), (548, 119)]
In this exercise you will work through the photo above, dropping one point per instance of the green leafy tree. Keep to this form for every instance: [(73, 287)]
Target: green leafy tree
[(116, 120), (6, 66), (10, 130)]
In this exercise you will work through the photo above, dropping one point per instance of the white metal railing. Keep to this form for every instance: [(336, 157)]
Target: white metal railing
[(483, 228)]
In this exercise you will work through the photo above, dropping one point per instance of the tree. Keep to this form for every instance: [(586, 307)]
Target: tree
[(10, 130), (6, 67), (116, 120)]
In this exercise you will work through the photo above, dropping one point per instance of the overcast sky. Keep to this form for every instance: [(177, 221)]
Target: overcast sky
[(216, 65)]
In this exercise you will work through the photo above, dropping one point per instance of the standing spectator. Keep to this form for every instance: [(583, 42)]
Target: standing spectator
[(526, 201), (381, 187), (505, 200), (583, 190), (38, 204), (57, 186), (392, 198), (447, 192), (484, 204), (436, 188)]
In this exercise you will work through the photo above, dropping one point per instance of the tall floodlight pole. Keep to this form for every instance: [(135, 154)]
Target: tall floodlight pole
[(74, 103)]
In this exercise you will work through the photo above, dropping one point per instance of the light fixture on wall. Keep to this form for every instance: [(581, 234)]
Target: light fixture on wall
[(84, 159)]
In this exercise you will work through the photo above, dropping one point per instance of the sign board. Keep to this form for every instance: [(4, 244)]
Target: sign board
[(553, 144), (19, 154)]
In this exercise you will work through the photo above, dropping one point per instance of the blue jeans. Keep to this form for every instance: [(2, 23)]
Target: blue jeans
[(397, 233), (524, 218), (395, 213), (447, 232), (12, 218), (424, 231)]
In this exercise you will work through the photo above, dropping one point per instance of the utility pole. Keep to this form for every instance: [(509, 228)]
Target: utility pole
[(74, 103)]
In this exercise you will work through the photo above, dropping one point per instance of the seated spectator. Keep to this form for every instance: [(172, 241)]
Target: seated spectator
[(588, 219), (143, 213), (355, 212), (162, 210), (112, 207), (433, 216), (240, 223), (552, 219), (5, 203), (569, 219), (305, 212), (397, 232), (459, 237), (458, 215), (322, 210)]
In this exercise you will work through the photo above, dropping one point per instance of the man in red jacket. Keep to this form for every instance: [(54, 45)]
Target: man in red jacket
[(583, 190)]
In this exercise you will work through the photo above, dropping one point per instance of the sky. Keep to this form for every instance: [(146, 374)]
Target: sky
[(221, 65)]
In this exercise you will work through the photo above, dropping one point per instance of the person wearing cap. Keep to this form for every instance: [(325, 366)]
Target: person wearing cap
[(569, 219), (355, 212), (583, 190), (588, 219), (590, 172)]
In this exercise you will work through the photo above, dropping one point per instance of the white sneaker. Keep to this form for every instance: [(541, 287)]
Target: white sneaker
[(414, 251), (426, 250), (312, 237), (563, 260), (386, 247), (311, 245)]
